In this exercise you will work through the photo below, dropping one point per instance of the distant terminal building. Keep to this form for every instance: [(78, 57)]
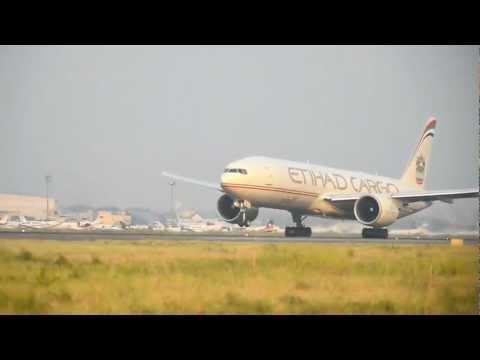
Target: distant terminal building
[(189, 215), (108, 218), (31, 206)]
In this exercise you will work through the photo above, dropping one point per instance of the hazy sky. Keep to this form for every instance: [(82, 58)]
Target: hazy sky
[(106, 120)]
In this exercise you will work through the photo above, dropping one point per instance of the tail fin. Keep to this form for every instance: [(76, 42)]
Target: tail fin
[(416, 171)]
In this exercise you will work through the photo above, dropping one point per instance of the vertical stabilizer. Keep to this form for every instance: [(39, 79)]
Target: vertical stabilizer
[(416, 171)]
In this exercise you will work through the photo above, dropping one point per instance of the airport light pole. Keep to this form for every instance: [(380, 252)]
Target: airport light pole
[(172, 200), (48, 178)]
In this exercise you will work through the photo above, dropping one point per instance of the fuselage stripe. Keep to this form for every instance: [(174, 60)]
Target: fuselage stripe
[(266, 188)]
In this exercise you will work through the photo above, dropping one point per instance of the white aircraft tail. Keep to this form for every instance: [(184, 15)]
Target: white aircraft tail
[(416, 171)]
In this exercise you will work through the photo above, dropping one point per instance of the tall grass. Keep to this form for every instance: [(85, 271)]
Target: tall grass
[(195, 277)]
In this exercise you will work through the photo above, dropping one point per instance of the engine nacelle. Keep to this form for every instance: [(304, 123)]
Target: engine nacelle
[(376, 210), (232, 211)]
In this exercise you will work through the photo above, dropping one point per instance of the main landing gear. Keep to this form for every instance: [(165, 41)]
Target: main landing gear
[(375, 233), (300, 230)]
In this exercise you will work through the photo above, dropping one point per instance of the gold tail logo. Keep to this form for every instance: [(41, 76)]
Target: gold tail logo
[(420, 170)]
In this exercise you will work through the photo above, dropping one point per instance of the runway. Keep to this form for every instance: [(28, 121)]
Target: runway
[(91, 236)]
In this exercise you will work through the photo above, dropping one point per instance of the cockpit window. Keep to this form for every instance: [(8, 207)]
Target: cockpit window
[(240, 171)]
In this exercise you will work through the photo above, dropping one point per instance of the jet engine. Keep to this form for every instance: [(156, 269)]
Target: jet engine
[(236, 211), (376, 210)]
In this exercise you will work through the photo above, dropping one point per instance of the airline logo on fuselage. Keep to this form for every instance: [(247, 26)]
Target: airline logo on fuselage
[(339, 182)]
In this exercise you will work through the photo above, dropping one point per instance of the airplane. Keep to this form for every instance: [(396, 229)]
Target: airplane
[(305, 190)]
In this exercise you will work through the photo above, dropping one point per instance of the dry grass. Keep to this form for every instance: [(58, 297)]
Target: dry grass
[(123, 277)]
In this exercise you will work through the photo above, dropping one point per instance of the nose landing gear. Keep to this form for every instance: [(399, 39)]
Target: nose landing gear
[(300, 230), (243, 205)]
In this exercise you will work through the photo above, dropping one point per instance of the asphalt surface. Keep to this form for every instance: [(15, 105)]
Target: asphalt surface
[(66, 236)]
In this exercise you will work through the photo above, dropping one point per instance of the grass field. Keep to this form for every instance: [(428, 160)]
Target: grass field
[(195, 277)]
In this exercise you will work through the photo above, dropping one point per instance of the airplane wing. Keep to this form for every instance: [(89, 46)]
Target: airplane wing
[(408, 197), (193, 181), (442, 195)]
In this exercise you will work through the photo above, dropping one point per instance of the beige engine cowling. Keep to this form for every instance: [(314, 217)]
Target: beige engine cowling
[(376, 210)]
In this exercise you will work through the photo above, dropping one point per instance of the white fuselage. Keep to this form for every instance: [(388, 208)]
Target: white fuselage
[(300, 187)]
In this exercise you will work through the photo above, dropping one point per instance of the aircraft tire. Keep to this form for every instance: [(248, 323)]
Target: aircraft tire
[(374, 233), (290, 231), (308, 232), (298, 231)]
